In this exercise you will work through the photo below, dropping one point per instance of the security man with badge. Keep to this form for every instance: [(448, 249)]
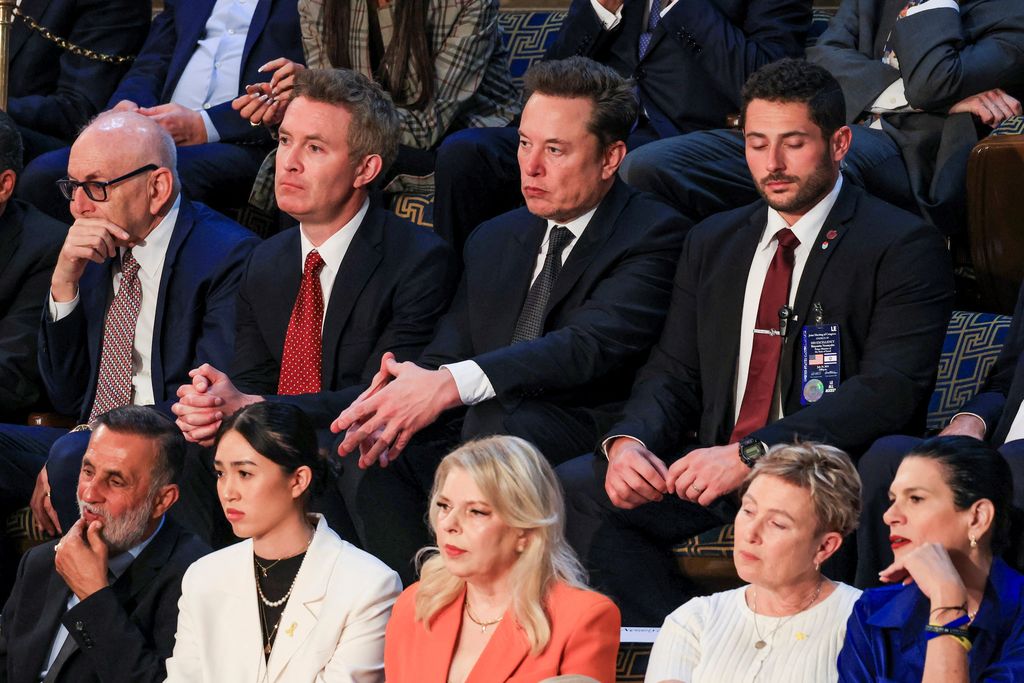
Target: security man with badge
[(815, 314)]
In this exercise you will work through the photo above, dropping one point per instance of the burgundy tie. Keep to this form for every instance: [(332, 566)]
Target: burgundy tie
[(300, 361), (114, 384), (764, 355)]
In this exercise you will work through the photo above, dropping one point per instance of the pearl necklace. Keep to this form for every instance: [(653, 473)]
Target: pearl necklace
[(761, 642), (259, 589)]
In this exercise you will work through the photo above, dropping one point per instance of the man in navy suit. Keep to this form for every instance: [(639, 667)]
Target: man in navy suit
[(558, 306), (816, 267), (182, 261), (101, 606), (199, 56), (54, 92), (688, 60)]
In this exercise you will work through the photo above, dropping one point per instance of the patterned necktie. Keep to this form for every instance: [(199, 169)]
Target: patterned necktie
[(764, 355), (531, 318), (652, 23), (114, 384), (300, 361), (888, 53)]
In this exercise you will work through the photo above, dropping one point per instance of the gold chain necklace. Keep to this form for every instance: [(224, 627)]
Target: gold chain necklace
[(761, 642), (482, 624)]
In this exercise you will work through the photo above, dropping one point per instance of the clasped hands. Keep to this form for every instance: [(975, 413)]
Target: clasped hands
[(637, 476), (183, 124), (204, 403), (402, 399)]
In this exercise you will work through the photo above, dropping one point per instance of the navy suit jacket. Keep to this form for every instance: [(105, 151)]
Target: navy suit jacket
[(55, 92), (605, 311), (274, 32), (885, 278), (195, 314), (700, 54), (29, 244), (394, 283), (123, 633)]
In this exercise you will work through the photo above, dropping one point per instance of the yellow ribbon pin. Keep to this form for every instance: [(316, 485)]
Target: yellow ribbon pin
[(291, 630)]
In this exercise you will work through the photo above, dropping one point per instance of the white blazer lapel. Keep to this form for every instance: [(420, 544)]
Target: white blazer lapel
[(245, 639)]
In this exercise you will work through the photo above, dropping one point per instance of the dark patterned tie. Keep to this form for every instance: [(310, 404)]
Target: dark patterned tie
[(114, 383), (764, 355), (300, 360), (888, 53), (531, 319), (652, 23)]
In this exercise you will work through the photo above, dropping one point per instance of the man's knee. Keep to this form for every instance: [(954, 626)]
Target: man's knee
[(881, 461)]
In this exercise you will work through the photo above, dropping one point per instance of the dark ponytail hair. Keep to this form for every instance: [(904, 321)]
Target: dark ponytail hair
[(974, 470), (408, 52), (283, 434)]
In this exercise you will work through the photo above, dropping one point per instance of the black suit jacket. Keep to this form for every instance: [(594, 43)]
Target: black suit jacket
[(29, 244), (944, 57), (700, 54), (1000, 398), (885, 278), (56, 92), (123, 632), (195, 314), (394, 283), (605, 311)]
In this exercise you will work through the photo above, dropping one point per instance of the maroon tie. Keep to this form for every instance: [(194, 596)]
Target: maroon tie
[(300, 361), (764, 355), (114, 383)]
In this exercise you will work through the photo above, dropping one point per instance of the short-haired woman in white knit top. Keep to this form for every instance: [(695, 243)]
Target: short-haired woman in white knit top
[(788, 624)]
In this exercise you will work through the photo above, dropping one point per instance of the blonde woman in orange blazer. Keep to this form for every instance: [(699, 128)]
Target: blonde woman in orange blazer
[(503, 597)]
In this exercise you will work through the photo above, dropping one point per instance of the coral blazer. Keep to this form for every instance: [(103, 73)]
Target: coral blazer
[(584, 640)]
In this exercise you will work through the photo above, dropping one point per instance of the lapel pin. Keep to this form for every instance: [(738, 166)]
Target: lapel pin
[(291, 630), (831, 234), (824, 245), (800, 635)]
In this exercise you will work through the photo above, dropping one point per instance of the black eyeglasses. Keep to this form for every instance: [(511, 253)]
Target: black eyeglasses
[(96, 190)]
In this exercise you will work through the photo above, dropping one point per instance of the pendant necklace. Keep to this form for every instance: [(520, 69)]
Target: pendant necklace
[(482, 624), (763, 642)]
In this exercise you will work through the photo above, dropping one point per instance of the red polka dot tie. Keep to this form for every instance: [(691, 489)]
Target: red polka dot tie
[(300, 362), (114, 385)]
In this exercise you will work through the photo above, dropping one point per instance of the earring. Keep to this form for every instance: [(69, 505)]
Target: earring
[(974, 541), (817, 566)]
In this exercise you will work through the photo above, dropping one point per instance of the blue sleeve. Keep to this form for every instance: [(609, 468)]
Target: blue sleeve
[(856, 660)]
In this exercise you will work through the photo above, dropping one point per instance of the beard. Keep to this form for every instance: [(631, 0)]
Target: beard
[(809, 191), (126, 531)]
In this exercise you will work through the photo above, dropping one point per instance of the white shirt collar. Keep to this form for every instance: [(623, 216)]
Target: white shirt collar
[(334, 248), (151, 252), (577, 225), (807, 227)]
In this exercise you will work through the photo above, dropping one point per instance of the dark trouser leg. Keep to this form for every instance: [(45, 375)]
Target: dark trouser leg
[(476, 178), (1013, 452), (219, 174), (37, 143), (198, 508), (875, 163), (877, 468), (22, 454), (37, 184), (700, 174), (627, 552), (62, 469)]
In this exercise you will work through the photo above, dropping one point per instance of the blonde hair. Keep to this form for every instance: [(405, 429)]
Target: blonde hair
[(519, 484), (828, 475)]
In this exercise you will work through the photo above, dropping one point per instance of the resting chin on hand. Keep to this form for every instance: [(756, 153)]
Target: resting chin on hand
[(88, 239), (705, 474), (81, 559), (402, 399)]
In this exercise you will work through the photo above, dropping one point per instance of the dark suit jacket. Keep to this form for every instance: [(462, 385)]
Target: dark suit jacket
[(394, 283), (123, 632), (885, 279), (55, 92), (700, 54), (195, 314), (29, 244), (274, 32), (944, 56), (605, 311), (1000, 398)]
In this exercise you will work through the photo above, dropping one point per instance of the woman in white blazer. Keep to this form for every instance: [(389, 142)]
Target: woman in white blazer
[(293, 603)]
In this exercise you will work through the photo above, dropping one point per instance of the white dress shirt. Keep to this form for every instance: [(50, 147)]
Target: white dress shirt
[(212, 74), (610, 20), (806, 230), (474, 386), (893, 99), (150, 255), (332, 251), (116, 566)]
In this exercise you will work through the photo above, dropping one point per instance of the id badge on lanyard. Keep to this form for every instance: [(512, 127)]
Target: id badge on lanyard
[(820, 359)]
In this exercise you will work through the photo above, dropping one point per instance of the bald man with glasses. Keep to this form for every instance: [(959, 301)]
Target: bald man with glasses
[(143, 290)]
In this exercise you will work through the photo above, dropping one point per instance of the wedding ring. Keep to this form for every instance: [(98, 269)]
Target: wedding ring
[(254, 125), (47, 494), (697, 489)]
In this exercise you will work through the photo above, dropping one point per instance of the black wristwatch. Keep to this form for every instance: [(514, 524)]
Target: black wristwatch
[(751, 450)]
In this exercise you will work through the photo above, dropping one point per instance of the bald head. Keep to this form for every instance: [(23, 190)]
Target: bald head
[(132, 138)]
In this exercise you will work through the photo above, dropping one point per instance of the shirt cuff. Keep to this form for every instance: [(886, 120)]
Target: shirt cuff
[(934, 4), (211, 132), (985, 424), (60, 309), (606, 442), (892, 98), (610, 21), (473, 385)]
